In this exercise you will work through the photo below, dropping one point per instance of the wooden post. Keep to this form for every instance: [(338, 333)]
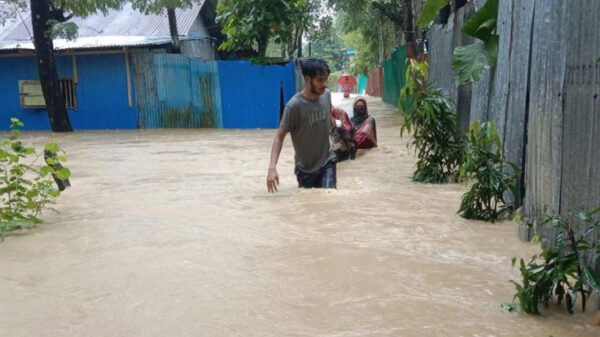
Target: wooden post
[(128, 71), (75, 70)]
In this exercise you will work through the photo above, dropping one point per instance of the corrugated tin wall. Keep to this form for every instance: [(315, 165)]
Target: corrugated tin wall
[(394, 71), (362, 84), (375, 83), (206, 92), (544, 97), (174, 91), (545, 136), (145, 88), (252, 94), (516, 65), (441, 47), (168, 91), (581, 116), (443, 40)]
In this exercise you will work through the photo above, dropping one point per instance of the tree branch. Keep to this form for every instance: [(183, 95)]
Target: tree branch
[(391, 11), (58, 13)]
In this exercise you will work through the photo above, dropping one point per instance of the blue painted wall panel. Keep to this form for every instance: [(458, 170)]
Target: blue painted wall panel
[(14, 69), (251, 94), (101, 92), (243, 95)]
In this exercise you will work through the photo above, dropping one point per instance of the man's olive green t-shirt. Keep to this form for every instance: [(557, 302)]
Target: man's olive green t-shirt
[(308, 122)]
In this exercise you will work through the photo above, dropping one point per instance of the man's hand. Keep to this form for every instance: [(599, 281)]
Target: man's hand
[(272, 176), (272, 180)]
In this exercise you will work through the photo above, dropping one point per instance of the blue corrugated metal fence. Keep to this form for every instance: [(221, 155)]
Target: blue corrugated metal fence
[(174, 91), (168, 91), (252, 94)]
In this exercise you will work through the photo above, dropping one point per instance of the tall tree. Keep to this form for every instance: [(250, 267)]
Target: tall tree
[(329, 47), (175, 43), (42, 11), (160, 6), (250, 24), (366, 30), (400, 12)]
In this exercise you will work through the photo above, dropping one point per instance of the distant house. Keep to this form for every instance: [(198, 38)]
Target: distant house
[(351, 53), (97, 70)]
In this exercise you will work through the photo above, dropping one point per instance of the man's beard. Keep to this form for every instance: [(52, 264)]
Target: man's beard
[(314, 91)]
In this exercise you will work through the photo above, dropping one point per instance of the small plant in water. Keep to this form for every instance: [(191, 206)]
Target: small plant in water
[(558, 271), (428, 116), (26, 187), (483, 161)]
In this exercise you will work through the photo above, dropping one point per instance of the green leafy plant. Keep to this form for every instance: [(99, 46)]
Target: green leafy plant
[(472, 60), (417, 75), (27, 188), (483, 161), (429, 117), (250, 24), (430, 11), (558, 272)]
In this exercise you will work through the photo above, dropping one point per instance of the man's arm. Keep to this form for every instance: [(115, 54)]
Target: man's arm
[(272, 175)]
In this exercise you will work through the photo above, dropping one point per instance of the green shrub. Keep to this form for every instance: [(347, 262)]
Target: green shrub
[(484, 162), (428, 116), (558, 271), (26, 187)]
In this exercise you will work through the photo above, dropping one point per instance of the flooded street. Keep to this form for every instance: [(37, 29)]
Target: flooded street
[(173, 233)]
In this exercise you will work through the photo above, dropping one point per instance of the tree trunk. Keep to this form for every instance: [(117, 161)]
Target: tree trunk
[(309, 48), (380, 37), (300, 45), (409, 29), (175, 44), (262, 45), (44, 52)]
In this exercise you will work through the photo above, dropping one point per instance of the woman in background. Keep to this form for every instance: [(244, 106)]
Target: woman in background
[(364, 128)]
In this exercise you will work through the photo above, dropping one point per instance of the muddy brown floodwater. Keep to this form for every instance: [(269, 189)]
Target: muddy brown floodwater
[(173, 233)]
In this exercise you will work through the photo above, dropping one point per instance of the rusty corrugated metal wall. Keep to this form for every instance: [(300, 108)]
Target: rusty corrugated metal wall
[(375, 82), (580, 185), (173, 91), (544, 97), (443, 40)]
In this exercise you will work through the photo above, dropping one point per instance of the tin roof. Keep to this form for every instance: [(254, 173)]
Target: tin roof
[(118, 28)]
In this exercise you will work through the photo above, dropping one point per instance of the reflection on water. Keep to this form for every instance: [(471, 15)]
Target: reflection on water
[(173, 233)]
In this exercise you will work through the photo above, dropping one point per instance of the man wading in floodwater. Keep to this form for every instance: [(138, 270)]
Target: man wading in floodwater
[(307, 117)]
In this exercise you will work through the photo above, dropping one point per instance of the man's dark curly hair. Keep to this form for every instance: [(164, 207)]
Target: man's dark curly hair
[(313, 67)]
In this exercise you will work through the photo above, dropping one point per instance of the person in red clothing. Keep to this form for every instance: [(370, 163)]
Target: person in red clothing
[(363, 125)]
